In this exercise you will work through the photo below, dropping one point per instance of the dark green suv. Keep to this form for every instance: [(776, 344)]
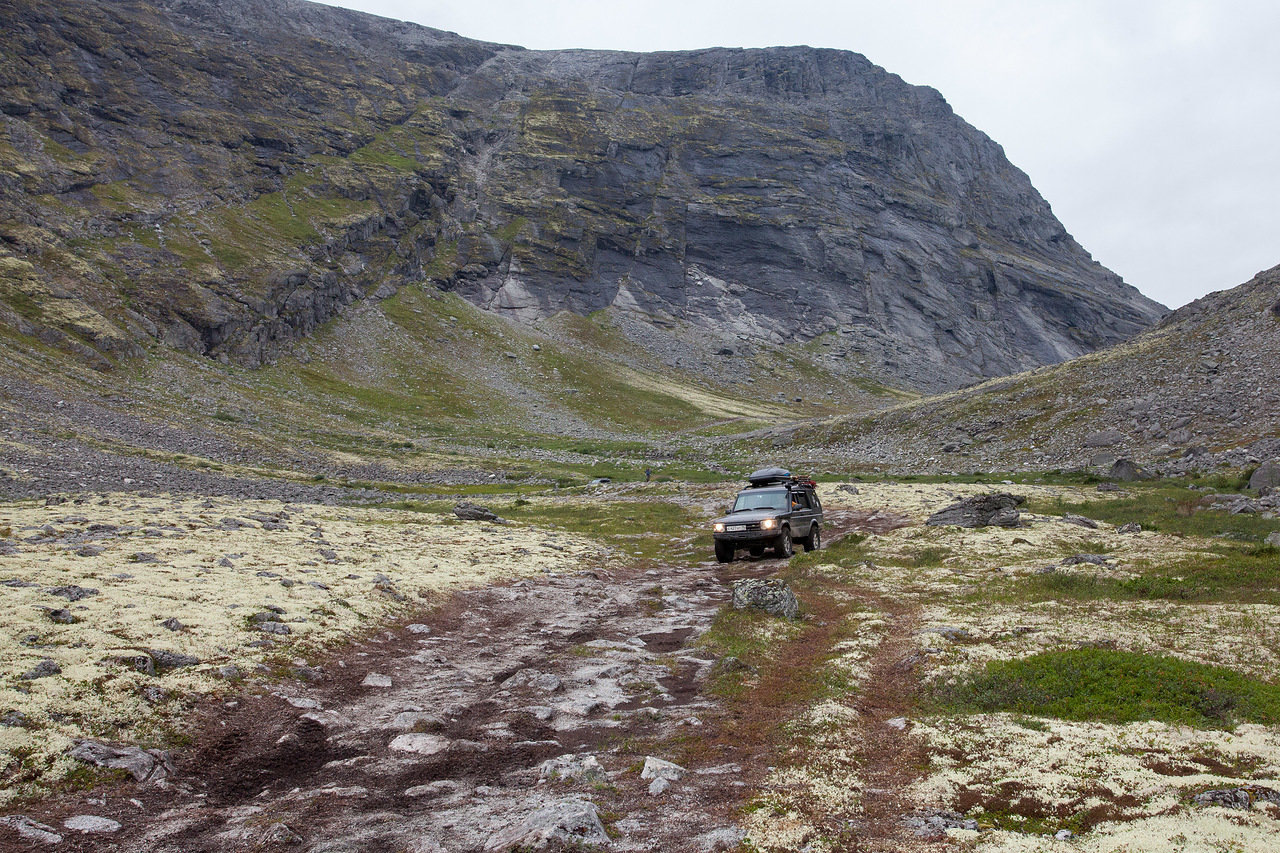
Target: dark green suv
[(775, 511)]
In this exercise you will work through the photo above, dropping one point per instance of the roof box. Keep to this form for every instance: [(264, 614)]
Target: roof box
[(767, 476)]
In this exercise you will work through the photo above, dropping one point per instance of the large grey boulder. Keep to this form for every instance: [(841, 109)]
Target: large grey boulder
[(568, 822), (1128, 471), (999, 510), (1266, 476), (772, 596)]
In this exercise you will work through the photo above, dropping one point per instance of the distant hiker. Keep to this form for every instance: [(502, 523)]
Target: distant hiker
[(648, 472)]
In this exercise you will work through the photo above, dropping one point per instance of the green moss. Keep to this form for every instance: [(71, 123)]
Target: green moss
[(1117, 687)]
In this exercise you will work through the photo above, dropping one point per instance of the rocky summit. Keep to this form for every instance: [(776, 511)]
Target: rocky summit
[(223, 178)]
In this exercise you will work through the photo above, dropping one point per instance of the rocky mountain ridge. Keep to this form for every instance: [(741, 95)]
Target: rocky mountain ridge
[(205, 177), (1195, 394)]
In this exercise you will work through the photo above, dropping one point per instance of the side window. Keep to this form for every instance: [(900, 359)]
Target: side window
[(817, 504), (799, 500)]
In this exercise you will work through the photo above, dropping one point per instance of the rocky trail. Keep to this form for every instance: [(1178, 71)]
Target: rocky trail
[(552, 711)]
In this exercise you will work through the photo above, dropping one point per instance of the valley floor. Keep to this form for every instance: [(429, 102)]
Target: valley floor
[(303, 675)]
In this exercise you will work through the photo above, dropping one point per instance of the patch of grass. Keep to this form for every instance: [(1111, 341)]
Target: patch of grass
[(1116, 687), (1223, 573), (1164, 508)]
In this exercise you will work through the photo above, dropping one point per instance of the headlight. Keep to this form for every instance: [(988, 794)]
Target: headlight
[(718, 527), (769, 524)]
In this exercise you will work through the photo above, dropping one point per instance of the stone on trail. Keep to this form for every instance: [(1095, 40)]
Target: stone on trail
[(419, 743), (376, 679), (568, 822), (31, 830), (474, 512), (772, 596), (91, 824), (999, 510), (144, 765), (571, 766)]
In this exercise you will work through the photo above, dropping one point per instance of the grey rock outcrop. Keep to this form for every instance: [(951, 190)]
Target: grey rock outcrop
[(567, 822), (774, 597), (999, 510)]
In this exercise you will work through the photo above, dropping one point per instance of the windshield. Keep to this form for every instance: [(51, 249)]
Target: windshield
[(771, 499)]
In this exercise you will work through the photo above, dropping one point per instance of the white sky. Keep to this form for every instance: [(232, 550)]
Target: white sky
[(1151, 126)]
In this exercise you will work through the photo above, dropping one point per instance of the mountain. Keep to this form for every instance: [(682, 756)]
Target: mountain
[(225, 178), (1197, 393)]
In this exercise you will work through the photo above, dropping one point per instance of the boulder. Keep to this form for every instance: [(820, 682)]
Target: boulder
[(772, 596), (1128, 471), (1104, 438), (999, 510), (563, 824), (1266, 476), (144, 765), (474, 512), (1080, 521)]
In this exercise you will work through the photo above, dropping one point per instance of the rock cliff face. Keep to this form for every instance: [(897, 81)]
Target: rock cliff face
[(215, 178)]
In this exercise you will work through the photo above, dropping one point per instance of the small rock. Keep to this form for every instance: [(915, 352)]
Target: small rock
[(578, 768), (1080, 521), (31, 830), (44, 669), (376, 679), (1091, 559), (144, 557), (230, 672), (279, 833), (149, 765), (656, 768), (419, 743), (91, 824), (14, 720), (1131, 527), (1064, 834), (166, 659), (474, 512), (417, 628), (71, 592), (659, 786), (62, 616), (172, 624), (899, 723), (274, 628)]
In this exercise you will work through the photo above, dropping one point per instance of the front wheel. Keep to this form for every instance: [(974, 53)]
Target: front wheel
[(724, 552), (814, 540), (784, 548)]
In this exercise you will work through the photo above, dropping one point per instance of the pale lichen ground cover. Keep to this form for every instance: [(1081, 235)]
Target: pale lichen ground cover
[(1134, 783), (211, 564)]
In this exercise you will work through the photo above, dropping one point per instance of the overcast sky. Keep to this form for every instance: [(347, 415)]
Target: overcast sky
[(1151, 126)]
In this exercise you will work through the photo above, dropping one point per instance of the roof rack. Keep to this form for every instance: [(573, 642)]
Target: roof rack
[(778, 477)]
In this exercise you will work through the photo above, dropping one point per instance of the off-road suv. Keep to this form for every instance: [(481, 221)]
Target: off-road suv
[(775, 511)]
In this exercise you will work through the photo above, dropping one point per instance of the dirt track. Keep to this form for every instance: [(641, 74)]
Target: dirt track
[(485, 689)]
